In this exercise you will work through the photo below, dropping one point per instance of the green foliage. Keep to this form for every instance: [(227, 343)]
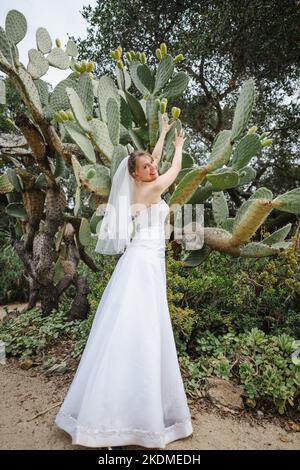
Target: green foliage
[(261, 364), (232, 318), (233, 295), (13, 285), (30, 333)]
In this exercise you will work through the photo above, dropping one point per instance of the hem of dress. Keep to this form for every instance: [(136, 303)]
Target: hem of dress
[(84, 436)]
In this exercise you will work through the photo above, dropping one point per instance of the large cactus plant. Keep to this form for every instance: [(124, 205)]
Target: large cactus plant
[(228, 166), (85, 127)]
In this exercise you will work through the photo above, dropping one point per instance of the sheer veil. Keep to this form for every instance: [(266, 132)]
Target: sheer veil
[(117, 225)]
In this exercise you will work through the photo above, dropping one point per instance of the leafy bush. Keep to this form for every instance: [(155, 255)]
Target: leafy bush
[(262, 364), (13, 284), (227, 294), (29, 333), (232, 318)]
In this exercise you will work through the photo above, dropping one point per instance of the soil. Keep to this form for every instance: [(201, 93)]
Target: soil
[(30, 401)]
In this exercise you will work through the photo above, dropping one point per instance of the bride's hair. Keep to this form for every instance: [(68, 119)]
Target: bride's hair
[(133, 156)]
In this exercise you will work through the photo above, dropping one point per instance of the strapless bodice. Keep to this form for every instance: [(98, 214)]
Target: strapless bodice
[(149, 227)]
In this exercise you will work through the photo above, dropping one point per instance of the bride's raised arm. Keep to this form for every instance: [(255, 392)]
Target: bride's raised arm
[(163, 182), (165, 127)]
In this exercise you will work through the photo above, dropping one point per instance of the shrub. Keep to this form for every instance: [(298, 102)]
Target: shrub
[(262, 364), (13, 284)]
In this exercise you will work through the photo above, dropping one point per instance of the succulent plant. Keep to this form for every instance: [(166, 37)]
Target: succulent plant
[(104, 120)]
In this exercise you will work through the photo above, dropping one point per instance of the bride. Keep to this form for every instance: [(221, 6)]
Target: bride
[(128, 388)]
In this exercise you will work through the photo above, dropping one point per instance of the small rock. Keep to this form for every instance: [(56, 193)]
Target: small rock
[(284, 439), (225, 393), (26, 364), (295, 427), (58, 368)]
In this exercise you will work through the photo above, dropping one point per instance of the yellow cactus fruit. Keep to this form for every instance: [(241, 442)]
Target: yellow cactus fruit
[(90, 66), (64, 115), (266, 142), (70, 115), (9, 121), (165, 100), (179, 58), (120, 49), (252, 130), (175, 112), (58, 117), (128, 56), (158, 54), (163, 48), (163, 107), (120, 64), (77, 67), (132, 53), (84, 65), (58, 42), (117, 54), (143, 58)]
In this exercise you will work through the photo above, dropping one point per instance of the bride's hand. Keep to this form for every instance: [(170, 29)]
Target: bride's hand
[(179, 139), (165, 126)]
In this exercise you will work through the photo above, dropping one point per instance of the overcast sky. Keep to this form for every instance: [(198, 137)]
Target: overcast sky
[(59, 17)]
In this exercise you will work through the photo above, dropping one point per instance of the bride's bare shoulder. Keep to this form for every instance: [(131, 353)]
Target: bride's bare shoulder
[(147, 194)]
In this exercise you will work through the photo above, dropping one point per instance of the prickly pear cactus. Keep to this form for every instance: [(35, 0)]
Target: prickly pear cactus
[(105, 119)]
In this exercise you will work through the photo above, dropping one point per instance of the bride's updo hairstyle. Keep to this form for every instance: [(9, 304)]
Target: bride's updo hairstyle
[(133, 156)]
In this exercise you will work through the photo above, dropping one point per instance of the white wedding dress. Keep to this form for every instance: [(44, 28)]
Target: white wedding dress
[(128, 388)]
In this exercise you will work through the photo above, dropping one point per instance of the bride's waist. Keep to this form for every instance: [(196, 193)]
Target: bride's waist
[(151, 229), (153, 240), (151, 234), (155, 250)]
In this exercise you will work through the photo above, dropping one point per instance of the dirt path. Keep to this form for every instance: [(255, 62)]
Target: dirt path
[(25, 393)]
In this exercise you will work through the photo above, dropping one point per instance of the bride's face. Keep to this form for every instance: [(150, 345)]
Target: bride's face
[(146, 169)]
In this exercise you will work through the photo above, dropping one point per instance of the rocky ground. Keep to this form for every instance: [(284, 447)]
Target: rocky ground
[(30, 399)]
